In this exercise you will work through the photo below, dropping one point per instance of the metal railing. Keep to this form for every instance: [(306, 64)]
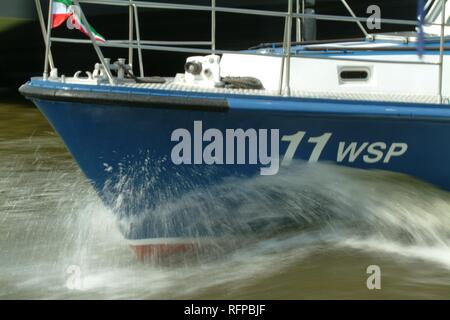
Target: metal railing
[(193, 46)]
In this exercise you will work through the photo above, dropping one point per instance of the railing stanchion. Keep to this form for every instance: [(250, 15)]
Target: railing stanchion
[(138, 38), (94, 43), (48, 39), (441, 51), (131, 33), (298, 37), (289, 45), (349, 9), (213, 26), (283, 58), (44, 31)]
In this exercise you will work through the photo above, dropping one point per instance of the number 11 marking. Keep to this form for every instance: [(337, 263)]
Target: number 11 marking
[(294, 143), (320, 142)]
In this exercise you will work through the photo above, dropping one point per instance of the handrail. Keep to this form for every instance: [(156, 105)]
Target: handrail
[(179, 46), (134, 44), (267, 13), (123, 44)]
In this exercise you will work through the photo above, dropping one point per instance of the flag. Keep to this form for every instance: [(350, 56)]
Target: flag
[(66, 11), (60, 12), (75, 22)]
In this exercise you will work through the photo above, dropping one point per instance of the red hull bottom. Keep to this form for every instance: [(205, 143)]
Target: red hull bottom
[(144, 252)]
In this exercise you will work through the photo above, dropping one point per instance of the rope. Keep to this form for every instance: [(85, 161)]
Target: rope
[(242, 83), (145, 79)]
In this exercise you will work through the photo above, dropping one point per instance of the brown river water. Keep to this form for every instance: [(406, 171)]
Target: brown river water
[(52, 226)]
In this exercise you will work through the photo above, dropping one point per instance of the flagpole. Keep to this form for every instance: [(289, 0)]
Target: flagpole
[(44, 30), (48, 39), (94, 43)]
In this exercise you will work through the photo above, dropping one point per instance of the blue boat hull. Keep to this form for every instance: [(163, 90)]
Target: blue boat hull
[(127, 149)]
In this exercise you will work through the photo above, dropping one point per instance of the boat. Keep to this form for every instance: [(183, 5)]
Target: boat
[(152, 147)]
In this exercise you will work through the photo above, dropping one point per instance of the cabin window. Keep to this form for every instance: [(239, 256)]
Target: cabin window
[(353, 74)]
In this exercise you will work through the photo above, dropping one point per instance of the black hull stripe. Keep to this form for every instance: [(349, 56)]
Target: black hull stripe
[(125, 99)]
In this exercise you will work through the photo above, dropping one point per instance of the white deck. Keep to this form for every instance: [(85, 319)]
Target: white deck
[(172, 85)]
